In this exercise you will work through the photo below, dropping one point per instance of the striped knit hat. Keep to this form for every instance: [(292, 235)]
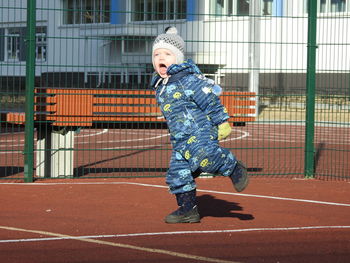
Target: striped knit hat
[(172, 41)]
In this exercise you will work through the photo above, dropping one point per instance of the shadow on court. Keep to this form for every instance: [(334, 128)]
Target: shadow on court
[(91, 169), (318, 153), (209, 206)]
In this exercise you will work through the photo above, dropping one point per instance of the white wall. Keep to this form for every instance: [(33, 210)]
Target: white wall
[(224, 41)]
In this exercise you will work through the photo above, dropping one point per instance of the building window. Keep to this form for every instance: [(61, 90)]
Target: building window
[(267, 7), (137, 45), (13, 44), (223, 7), (243, 7), (41, 44), (238, 7), (15, 48), (150, 10), (331, 6), (86, 11)]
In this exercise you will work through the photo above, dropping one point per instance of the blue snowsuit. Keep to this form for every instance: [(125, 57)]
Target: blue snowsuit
[(193, 113)]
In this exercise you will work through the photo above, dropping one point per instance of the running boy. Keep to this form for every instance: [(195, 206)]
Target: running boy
[(196, 121)]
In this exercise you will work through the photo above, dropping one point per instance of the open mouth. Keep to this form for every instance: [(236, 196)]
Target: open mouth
[(162, 68)]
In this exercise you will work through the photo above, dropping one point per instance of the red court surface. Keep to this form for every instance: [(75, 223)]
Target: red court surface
[(121, 220), (268, 150)]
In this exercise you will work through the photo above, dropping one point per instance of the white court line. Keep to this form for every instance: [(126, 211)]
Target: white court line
[(135, 140), (121, 245), (302, 140), (257, 196), (193, 232), (93, 134), (78, 135), (244, 134), (8, 141), (88, 133), (198, 190), (15, 145), (11, 152), (140, 147), (273, 140), (137, 132)]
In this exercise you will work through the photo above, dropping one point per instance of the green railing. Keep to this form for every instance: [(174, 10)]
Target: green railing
[(293, 54)]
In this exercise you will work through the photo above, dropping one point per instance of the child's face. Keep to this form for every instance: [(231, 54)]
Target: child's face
[(162, 59)]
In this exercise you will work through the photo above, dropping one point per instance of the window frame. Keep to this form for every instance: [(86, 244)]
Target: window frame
[(41, 43), (75, 12), (127, 49), (230, 8), (14, 35), (327, 7), (17, 34), (267, 6), (139, 10)]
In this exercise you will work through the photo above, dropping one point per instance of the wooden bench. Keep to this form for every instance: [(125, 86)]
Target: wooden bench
[(64, 109), (86, 107)]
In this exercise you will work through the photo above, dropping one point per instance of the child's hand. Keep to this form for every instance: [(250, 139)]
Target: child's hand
[(224, 130)]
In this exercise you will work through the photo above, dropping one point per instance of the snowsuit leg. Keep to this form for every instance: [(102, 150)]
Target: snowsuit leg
[(179, 176), (203, 152), (200, 152)]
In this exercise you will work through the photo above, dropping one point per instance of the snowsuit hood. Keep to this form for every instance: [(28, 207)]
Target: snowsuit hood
[(177, 70)]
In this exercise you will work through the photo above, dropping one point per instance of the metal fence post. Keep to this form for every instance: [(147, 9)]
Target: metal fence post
[(29, 106), (254, 49), (309, 168)]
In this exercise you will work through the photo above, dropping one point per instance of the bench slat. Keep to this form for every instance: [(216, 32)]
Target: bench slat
[(125, 109), (146, 101), (237, 103), (15, 117), (242, 111)]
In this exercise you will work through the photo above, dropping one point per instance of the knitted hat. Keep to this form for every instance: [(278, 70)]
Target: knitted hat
[(172, 41)]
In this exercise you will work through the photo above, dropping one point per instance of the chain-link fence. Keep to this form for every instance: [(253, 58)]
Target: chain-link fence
[(75, 87)]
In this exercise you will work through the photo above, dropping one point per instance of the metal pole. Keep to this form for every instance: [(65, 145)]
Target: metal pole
[(29, 107), (254, 47), (309, 168)]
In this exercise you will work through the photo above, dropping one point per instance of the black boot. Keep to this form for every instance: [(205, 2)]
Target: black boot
[(187, 211), (239, 177)]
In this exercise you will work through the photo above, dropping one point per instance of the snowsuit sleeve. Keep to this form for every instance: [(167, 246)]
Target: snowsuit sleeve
[(202, 94)]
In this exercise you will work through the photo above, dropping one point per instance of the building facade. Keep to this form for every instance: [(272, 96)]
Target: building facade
[(107, 43)]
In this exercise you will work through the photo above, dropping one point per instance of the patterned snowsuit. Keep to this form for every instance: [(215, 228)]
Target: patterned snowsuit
[(192, 112)]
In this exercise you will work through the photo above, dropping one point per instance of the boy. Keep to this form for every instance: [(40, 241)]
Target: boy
[(196, 121)]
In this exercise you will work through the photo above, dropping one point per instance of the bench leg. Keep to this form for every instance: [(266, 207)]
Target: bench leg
[(55, 155)]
